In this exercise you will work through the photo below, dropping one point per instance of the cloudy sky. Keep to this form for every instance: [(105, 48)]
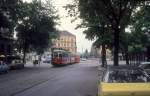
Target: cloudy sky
[(65, 24)]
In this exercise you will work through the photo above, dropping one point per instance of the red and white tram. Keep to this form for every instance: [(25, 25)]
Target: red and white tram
[(62, 57)]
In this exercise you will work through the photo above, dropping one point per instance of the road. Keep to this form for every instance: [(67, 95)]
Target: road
[(45, 80)]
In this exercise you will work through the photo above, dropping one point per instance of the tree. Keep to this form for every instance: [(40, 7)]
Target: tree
[(8, 17), (116, 13), (36, 27)]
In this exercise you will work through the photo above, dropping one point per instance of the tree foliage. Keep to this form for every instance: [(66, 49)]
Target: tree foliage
[(36, 27), (8, 16), (140, 31)]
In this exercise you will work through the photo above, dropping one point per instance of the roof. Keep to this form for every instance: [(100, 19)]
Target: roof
[(66, 33), (59, 50)]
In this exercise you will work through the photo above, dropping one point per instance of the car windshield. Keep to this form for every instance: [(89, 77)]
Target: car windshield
[(127, 76)]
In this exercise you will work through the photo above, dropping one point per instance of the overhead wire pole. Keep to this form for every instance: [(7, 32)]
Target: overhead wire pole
[(82, 52)]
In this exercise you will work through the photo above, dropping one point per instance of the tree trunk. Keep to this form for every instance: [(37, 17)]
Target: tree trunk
[(103, 52), (116, 46), (24, 56), (127, 56), (24, 52)]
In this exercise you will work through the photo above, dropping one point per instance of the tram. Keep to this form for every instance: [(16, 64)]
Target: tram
[(62, 57)]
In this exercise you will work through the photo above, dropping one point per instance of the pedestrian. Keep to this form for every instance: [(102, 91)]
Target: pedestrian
[(39, 60), (35, 61)]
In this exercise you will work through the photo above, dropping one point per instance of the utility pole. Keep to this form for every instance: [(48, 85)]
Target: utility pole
[(82, 52)]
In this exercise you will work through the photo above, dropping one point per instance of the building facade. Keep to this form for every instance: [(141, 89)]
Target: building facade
[(96, 52), (66, 41)]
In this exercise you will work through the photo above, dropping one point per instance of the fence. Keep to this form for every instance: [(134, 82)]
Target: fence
[(136, 58)]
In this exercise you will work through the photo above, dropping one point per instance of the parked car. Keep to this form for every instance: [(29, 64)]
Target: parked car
[(145, 66), (46, 60), (16, 64), (83, 59), (124, 81), (3, 68)]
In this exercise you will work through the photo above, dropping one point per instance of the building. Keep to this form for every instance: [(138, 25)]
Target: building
[(66, 41), (96, 52)]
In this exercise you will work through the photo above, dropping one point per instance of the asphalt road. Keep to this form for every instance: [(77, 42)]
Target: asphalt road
[(46, 80)]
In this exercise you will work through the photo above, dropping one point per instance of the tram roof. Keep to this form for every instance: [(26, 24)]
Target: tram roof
[(60, 50)]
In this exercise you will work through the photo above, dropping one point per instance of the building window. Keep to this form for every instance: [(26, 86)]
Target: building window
[(67, 45), (72, 40), (58, 45), (62, 39), (72, 45)]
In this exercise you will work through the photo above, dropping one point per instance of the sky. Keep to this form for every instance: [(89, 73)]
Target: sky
[(65, 24)]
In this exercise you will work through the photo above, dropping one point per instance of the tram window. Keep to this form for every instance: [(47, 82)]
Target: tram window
[(60, 55), (65, 55), (55, 55)]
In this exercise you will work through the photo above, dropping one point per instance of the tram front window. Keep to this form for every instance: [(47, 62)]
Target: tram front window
[(60, 55), (55, 55)]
